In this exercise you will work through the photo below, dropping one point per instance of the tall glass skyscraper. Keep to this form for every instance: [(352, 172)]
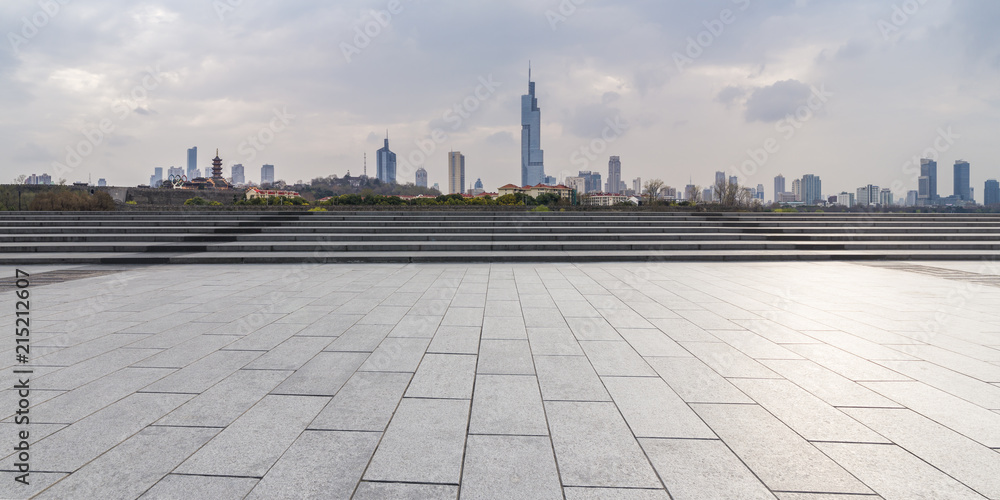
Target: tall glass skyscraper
[(963, 188), (386, 163), (267, 174), (812, 189), (421, 177), (614, 175), (928, 168), (456, 173), (192, 162), (532, 156)]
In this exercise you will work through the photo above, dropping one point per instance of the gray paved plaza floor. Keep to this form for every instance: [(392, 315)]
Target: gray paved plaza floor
[(795, 381)]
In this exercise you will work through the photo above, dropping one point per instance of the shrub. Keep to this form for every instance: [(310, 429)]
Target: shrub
[(72, 201)]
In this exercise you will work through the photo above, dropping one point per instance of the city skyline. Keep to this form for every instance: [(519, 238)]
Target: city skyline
[(863, 108)]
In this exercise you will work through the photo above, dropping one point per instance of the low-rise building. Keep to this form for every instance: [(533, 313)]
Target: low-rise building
[(535, 191), (253, 193)]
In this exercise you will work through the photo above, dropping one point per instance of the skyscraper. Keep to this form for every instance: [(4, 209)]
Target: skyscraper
[(239, 175), (779, 186), (992, 193), (532, 156), (614, 175), (456, 173), (102, 183), (157, 177), (868, 195), (885, 198), (593, 181), (812, 189), (797, 189), (386, 163), (963, 188), (637, 185), (733, 180), (478, 188), (928, 168), (192, 163), (267, 174), (421, 177), (760, 191)]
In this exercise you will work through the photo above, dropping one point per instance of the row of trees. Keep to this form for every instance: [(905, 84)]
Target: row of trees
[(724, 193)]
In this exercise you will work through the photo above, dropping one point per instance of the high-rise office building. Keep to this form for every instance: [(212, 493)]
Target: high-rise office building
[(928, 168), (456, 173), (157, 178), (532, 156), (577, 183), (386, 161), (614, 175), (760, 192), (924, 191), (421, 177), (706, 194), (239, 174), (477, 188), (102, 183), (593, 181), (912, 197), (779, 186), (885, 198), (733, 180), (992, 194), (868, 195), (175, 172), (637, 185), (192, 163), (797, 189), (963, 188), (267, 174), (812, 189)]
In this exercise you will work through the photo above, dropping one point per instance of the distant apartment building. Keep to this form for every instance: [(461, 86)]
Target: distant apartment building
[(239, 174), (760, 192), (456, 173), (102, 183), (267, 174), (175, 172), (845, 199), (797, 189), (637, 185), (156, 180), (478, 188), (607, 200), (912, 197), (779, 186), (593, 181), (868, 196), (421, 180)]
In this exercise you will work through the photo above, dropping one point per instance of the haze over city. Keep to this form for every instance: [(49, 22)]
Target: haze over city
[(687, 90)]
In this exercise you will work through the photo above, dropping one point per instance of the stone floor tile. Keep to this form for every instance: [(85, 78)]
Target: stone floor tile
[(520, 467), (592, 329), (463, 316), (728, 361), (553, 342), (319, 464), (505, 357), (962, 416), (414, 326), (444, 376), (360, 338), (424, 443), (509, 405), (779, 457), (251, 445), (616, 358), (175, 486), (615, 494), (118, 473), (806, 414), (405, 491), (396, 355), (224, 402), (504, 328), (594, 447), (70, 406), (695, 382), (952, 382), (204, 373), (323, 375), (569, 378), (845, 364), (652, 409), (653, 342), (831, 387), (699, 469), (365, 403), (895, 474), (290, 354), (682, 330), (456, 340)]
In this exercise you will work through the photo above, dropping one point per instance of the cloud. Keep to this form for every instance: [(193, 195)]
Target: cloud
[(773, 103), (731, 95)]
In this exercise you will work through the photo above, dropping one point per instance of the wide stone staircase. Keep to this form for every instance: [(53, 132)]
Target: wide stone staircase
[(330, 237)]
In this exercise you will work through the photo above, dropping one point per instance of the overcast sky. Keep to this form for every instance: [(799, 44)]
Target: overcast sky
[(678, 89)]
